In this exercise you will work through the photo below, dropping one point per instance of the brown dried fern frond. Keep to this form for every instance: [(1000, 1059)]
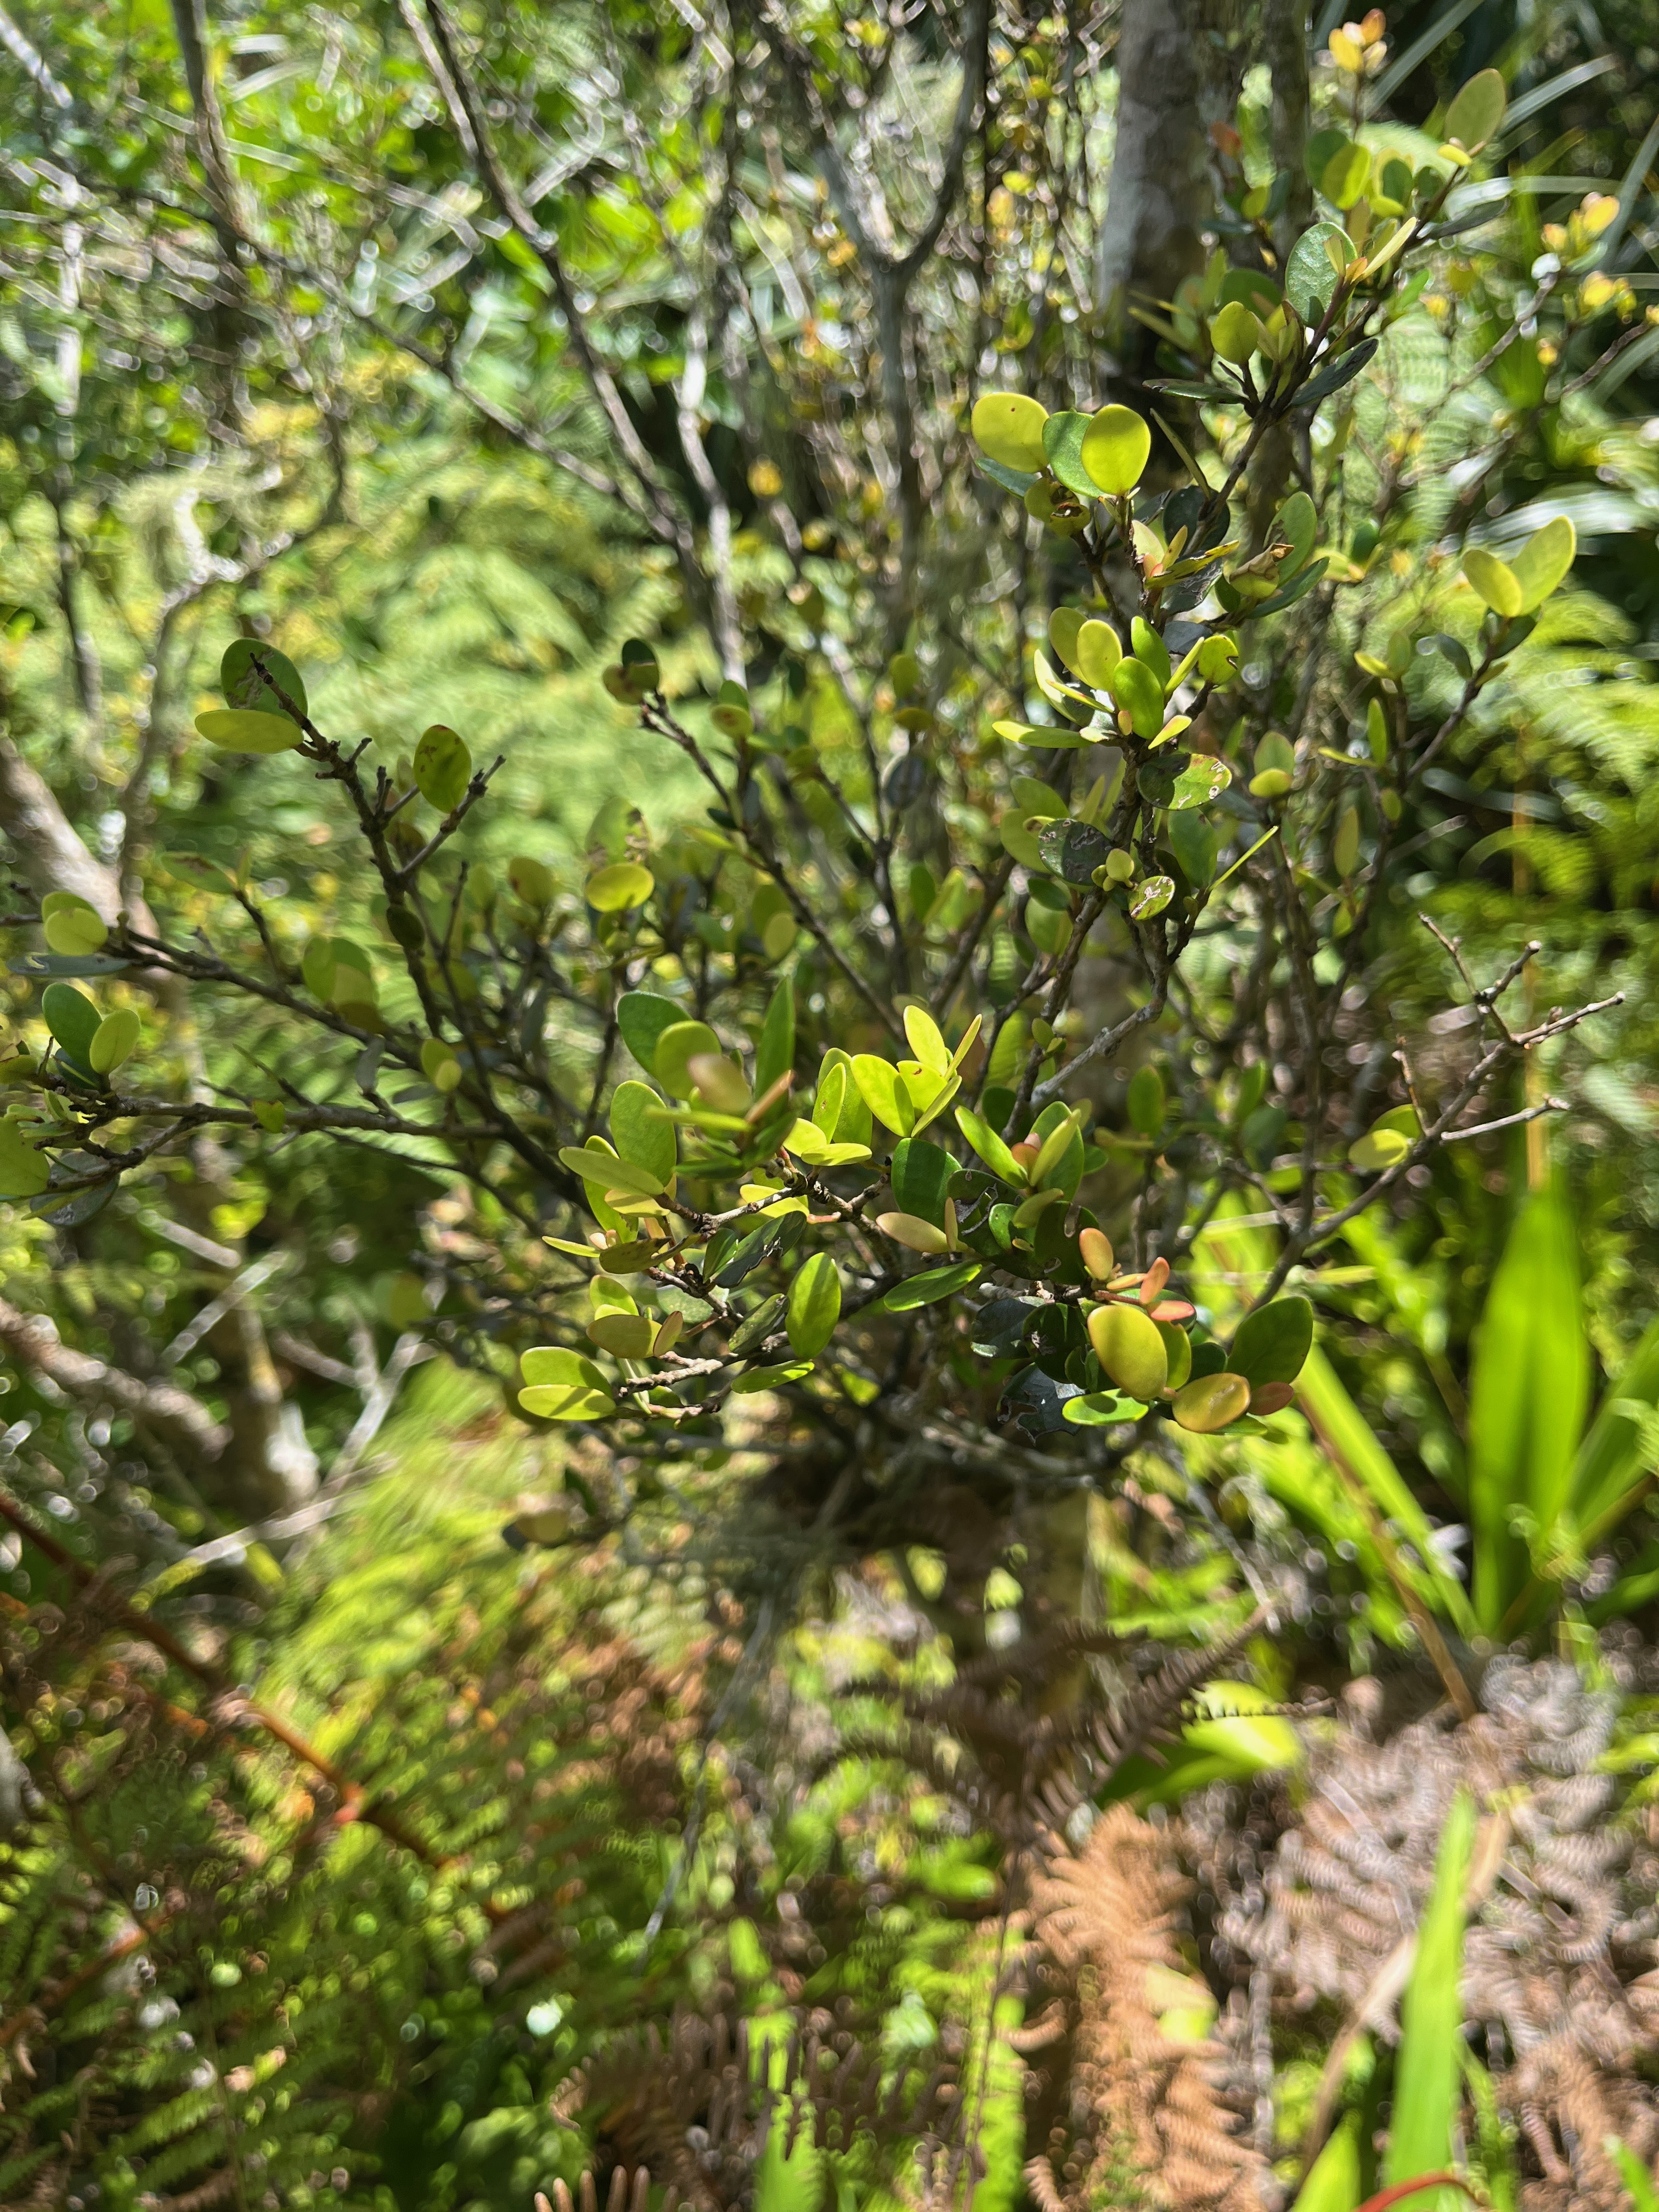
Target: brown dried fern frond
[(1558, 1976), (1143, 2120), (687, 2105)]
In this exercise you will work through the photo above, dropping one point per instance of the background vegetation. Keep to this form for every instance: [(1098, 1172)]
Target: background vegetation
[(876, 1784)]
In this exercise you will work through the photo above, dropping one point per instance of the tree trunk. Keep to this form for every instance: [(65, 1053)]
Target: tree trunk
[(1180, 64)]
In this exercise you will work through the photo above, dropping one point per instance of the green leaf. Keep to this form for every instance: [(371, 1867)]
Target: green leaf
[(933, 1284), (624, 884), (989, 1146), (1273, 1342), (1062, 448), (1101, 1409), (1151, 897), (1543, 562), (1145, 1101), (1321, 148), (1296, 523), (1529, 1392), (1202, 779), (883, 1090), (642, 1132), (1332, 2182), (814, 1305), (1210, 1403), (642, 1019), (562, 1386), (442, 768), (1098, 651), (1130, 1350), (1135, 689), (606, 1170), (1073, 850), (1347, 1438), (1428, 2067), (114, 1040), (1114, 449), (1066, 1173), (1196, 846), (24, 1172), (1477, 113), (1236, 333), (243, 685), (1148, 647), (921, 1176), (774, 1052), (731, 714), (72, 924), (72, 1019), (1494, 581), (768, 1378), (1612, 1464), (1634, 2175), (1007, 427), (678, 1042), (1311, 273), (241, 730), (1345, 175), (752, 1332)]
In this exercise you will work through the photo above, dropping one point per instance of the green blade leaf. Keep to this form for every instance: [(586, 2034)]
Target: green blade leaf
[(1528, 1394), (1428, 2071)]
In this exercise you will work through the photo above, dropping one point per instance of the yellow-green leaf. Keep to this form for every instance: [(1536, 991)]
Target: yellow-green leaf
[(1007, 427), (1494, 581), (245, 730), (624, 884), (1116, 448)]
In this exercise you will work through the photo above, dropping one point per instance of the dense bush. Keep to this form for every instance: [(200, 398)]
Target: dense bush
[(830, 1059)]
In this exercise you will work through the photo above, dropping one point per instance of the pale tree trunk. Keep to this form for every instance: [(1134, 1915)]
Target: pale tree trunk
[(1179, 66)]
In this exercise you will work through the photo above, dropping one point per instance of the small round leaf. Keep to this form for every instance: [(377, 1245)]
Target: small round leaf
[(1211, 1402), (1116, 448), (443, 768), (623, 885), (1007, 427), (243, 685)]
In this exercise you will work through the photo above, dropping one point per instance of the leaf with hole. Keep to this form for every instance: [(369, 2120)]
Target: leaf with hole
[(1072, 849), (1151, 897), (1008, 428), (243, 685)]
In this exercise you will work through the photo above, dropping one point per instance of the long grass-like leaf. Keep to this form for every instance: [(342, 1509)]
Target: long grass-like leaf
[(1332, 2182), (1428, 2071), (1529, 1391), (1346, 1434)]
